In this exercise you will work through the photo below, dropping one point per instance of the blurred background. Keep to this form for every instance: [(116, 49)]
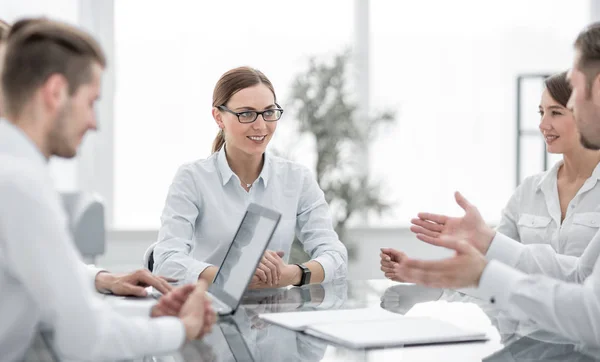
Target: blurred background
[(441, 96)]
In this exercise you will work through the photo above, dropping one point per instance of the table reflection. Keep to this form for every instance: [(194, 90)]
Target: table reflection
[(245, 337)]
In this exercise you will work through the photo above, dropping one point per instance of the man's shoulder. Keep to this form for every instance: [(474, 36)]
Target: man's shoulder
[(18, 173)]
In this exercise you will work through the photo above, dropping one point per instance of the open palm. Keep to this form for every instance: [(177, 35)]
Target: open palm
[(436, 229)]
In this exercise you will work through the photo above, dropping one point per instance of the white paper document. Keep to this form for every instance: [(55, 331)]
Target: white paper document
[(372, 328), (298, 321), (406, 331)]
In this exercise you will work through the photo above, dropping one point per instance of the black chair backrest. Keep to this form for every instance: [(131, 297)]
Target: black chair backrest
[(151, 261)]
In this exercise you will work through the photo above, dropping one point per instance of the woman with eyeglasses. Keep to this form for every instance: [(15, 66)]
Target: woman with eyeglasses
[(209, 197)]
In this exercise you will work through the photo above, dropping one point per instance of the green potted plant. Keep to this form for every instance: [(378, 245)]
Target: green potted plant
[(323, 104)]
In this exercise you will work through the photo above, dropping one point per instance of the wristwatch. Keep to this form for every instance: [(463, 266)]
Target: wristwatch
[(305, 279)]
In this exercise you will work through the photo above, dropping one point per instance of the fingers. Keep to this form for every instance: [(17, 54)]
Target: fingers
[(266, 272), (169, 280), (421, 230), (427, 225), (169, 306), (271, 264), (144, 277), (270, 268), (392, 254), (133, 290), (277, 265), (446, 242), (388, 269), (440, 219), (261, 274), (461, 201), (210, 317), (172, 302), (397, 255), (385, 256), (280, 253), (386, 261), (182, 293), (436, 241)]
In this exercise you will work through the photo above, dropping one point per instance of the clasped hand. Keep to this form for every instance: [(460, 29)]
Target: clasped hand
[(273, 272)]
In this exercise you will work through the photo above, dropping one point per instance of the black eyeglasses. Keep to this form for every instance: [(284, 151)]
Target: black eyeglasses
[(269, 115)]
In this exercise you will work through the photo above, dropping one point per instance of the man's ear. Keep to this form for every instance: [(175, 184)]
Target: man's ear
[(54, 91)]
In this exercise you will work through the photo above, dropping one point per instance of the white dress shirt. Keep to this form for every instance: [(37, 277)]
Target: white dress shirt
[(42, 278), (206, 203), (533, 215), (562, 306)]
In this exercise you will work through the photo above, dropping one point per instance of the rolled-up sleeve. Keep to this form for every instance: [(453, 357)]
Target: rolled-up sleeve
[(314, 229), (92, 271), (172, 254)]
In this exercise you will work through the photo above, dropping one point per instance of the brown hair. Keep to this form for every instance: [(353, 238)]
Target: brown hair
[(229, 84), (38, 49), (588, 45), (559, 88)]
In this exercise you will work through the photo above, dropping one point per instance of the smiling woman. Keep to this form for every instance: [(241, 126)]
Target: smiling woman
[(208, 197), (559, 206)]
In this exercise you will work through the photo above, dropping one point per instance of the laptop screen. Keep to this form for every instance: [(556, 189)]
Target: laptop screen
[(246, 250)]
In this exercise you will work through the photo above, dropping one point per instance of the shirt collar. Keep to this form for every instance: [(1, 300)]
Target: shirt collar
[(549, 176), (15, 142), (596, 173), (227, 173), (552, 174)]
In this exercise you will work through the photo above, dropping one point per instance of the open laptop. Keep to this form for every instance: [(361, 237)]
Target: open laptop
[(245, 251)]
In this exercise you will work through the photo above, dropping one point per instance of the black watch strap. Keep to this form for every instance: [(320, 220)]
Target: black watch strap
[(305, 279)]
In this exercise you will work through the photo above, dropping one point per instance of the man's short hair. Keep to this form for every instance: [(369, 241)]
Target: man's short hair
[(588, 45), (39, 48)]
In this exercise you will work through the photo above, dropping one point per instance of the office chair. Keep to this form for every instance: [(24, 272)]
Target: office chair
[(86, 221), (149, 257)]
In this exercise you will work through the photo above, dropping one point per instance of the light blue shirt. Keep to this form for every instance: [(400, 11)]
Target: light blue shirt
[(206, 203)]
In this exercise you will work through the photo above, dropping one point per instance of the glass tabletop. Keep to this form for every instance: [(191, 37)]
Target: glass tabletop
[(245, 337)]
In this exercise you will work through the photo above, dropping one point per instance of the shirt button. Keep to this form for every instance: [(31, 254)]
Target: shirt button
[(492, 300), (572, 206)]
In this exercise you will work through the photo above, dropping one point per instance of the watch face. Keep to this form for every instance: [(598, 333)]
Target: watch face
[(306, 276)]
